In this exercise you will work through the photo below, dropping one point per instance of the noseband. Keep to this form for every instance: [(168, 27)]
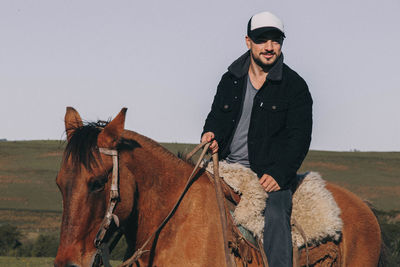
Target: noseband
[(103, 248)]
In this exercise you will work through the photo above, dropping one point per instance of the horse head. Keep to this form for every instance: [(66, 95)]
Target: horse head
[(84, 180), (152, 183)]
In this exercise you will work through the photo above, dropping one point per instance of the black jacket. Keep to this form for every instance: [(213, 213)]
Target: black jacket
[(281, 120)]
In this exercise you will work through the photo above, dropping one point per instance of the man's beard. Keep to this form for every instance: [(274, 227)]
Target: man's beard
[(261, 64)]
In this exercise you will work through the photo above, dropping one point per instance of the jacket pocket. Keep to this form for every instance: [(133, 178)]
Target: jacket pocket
[(275, 113), (226, 105), (274, 106)]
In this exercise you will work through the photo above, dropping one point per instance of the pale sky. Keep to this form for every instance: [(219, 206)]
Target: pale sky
[(163, 60)]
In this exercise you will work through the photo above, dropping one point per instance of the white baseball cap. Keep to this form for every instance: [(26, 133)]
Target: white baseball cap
[(264, 22)]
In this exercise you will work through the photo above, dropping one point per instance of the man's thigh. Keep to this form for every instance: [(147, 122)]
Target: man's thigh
[(279, 204), (277, 230)]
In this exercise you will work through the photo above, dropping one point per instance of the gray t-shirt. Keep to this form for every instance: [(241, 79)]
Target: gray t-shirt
[(239, 151)]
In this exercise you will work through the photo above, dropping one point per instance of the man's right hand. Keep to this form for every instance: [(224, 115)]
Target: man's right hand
[(208, 136)]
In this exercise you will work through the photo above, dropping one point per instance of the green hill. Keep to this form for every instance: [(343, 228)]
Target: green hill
[(30, 196), (374, 176), (30, 199)]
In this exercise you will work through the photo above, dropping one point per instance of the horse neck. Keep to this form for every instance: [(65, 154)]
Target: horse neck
[(160, 179)]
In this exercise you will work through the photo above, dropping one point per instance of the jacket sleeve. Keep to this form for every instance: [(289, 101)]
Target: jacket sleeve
[(299, 128), (213, 120)]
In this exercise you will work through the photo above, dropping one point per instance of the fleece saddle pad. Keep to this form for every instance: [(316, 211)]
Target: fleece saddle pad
[(314, 207)]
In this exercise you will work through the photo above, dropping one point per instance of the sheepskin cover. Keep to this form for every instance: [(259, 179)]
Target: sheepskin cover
[(314, 207)]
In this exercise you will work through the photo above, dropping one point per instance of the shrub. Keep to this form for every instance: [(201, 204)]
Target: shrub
[(391, 235), (25, 250), (45, 246), (9, 239)]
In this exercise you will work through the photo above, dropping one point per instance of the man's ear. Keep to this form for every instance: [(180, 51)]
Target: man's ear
[(248, 42), (111, 134), (72, 121)]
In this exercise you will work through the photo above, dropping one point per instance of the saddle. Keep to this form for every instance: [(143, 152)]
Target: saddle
[(241, 241), (248, 248)]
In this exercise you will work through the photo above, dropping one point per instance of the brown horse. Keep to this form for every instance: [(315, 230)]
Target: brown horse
[(151, 180)]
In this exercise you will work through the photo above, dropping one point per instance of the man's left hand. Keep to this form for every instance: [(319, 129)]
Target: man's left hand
[(268, 183)]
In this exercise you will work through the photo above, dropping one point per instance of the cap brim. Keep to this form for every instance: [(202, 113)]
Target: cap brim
[(260, 32)]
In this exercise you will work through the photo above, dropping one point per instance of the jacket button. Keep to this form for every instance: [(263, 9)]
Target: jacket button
[(226, 106), (235, 82), (235, 97), (233, 120), (273, 107)]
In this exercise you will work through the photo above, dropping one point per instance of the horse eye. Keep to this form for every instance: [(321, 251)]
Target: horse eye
[(97, 185)]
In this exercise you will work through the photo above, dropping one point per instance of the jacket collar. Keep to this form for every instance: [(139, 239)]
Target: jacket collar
[(240, 67)]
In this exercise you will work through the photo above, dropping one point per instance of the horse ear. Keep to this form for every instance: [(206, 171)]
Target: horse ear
[(72, 121), (111, 134)]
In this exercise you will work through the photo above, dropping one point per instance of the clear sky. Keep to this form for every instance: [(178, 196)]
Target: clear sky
[(163, 60)]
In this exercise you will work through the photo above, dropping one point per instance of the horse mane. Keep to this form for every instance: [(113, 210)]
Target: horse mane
[(82, 145), (156, 147)]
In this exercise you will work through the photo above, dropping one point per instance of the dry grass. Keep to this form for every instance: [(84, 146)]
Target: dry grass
[(51, 154), (327, 165), (16, 199), (32, 221), (34, 262), (374, 192)]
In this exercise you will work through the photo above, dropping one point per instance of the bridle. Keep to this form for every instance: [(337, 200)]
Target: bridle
[(103, 248)]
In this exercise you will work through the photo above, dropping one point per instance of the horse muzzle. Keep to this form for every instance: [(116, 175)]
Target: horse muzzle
[(73, 257)]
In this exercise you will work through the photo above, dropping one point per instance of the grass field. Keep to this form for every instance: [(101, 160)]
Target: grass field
[(33, 262), (31, 201), (26, 262), (27, 175), (30, 198), (374, 176), (28, 170)]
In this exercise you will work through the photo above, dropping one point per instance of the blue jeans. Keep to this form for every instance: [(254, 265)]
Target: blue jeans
[(277, 229)]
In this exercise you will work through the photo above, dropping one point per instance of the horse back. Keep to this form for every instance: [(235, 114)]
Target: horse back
[(361, 235)]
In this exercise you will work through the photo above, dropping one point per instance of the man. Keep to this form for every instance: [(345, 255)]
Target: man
[(261, 117)]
